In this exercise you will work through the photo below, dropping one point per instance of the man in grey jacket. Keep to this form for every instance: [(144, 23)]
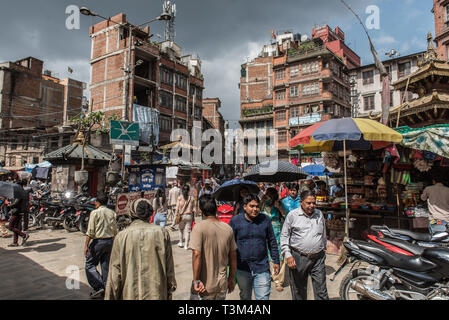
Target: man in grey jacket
[(303, 244)]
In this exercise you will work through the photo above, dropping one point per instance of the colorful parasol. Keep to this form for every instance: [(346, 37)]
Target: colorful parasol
[(345, 134), (359, 134)]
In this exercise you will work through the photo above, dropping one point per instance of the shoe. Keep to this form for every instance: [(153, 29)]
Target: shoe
[(173, 228), (97, 294), (24, 241), (180, 244), (13, 245), (186, 248)]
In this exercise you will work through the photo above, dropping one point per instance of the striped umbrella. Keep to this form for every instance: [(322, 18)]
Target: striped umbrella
[(343, 134), (274, 171)]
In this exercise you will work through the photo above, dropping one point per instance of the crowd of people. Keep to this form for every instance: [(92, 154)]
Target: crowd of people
[(271, 233)]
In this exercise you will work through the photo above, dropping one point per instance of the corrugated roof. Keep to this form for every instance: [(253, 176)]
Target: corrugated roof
[(75, 151)]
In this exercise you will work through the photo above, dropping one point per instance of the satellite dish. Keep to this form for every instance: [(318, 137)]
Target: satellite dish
[(304, 38)]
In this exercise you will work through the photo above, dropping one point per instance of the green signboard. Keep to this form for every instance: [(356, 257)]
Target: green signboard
[(124, 133)]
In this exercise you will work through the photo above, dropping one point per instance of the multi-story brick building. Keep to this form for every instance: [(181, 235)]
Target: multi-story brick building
[(441, 15), (31, 97), (211, 111), (34, 107), (161, 77), (296, 82), (367, 84)]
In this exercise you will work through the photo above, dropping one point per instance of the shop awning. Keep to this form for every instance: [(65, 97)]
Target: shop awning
[(432, 138)]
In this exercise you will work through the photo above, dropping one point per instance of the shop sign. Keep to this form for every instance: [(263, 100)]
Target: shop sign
[(307, 119), (146, 178), (124, 201)]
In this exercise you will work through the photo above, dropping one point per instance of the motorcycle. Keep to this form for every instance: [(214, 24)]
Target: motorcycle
[(83, 210), (67, 211), (438, 239), (394, 276)]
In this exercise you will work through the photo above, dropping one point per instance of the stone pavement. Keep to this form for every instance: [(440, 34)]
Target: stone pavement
[(44, 268)]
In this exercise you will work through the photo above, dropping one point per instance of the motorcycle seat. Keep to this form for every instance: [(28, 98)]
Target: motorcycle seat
[(418, 236), (405, 245), (396, 260)]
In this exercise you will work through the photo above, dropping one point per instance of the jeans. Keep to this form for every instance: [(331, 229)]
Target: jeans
[(261, 282), (99, 253), (160, 219)]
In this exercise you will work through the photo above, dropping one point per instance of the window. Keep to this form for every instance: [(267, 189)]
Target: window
[(181, 124), (294, 91), (280, 95), (368, 77), (404, 69), (35, 160), (181, 81), (446, 16), (368, 103), (165, 124), (281, 115), (294, 112), (294, 71), (311, 89), (280, 74), (391, 99), (165, 99), (166, 76), (282, 137), (180, 104), (311, 67)]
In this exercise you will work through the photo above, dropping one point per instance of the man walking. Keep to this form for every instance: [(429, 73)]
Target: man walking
[(142, 266), (207, 189), (303, 241), (214, 248), (100, 235), (17, 209), (437, 197), (253, 233), (173, 196)]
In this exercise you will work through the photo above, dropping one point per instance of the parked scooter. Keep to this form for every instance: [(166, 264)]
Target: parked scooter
[(394, 276)]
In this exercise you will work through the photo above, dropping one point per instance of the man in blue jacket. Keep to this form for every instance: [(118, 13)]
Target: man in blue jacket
[(253, 233)]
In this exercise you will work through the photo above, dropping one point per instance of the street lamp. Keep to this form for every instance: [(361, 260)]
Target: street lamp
[(129, 70)]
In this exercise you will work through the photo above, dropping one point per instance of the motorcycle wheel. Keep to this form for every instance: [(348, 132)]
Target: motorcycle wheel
[(32, 220), (346, 292), (82, 225), (69, 224)]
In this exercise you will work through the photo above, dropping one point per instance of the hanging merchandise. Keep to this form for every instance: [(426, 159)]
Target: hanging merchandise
[(422, 165), (331, 160)]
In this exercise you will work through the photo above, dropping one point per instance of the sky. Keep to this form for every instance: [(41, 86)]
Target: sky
[(224, 33)]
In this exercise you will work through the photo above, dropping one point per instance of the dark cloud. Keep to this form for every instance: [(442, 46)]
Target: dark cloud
[(223, 33)]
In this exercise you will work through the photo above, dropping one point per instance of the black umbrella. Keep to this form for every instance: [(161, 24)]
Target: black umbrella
[(230, 190), (12, 191), (274, 171)]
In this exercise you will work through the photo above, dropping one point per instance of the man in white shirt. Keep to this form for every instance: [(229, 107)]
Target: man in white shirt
[(437, 197), (303, 243), (173, 195)]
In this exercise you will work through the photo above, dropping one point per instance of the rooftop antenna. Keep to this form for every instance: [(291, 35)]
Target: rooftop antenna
[(169, 7)]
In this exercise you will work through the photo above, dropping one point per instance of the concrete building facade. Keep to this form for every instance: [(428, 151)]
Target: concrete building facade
[(367, 84)]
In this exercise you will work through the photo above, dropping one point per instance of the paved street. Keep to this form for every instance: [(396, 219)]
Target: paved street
[(41, 270)]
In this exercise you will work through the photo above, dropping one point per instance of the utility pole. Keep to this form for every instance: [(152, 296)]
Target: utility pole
[(385, 79)]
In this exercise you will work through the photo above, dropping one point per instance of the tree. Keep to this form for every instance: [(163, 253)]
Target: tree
[(93, 122)]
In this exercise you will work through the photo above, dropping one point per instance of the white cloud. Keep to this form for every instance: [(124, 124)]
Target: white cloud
[(222, 76)]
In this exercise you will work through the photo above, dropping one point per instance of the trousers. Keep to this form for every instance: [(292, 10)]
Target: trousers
[(15, 225), (185, 227), (99, 254), (305, 267)]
